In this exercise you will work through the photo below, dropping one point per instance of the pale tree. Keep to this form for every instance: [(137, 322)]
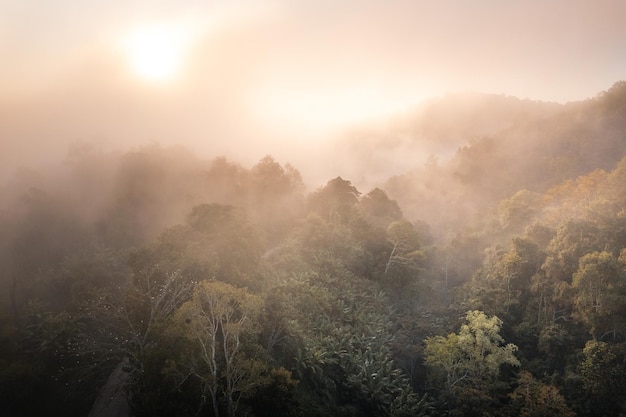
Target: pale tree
[(405, 257), (131, 315), (217, 320), (145, 305), (128, 315), (467, 364)]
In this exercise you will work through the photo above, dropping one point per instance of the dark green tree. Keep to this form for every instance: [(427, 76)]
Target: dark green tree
[(378, 208), (604, 378), (600, 293), (336, 201)]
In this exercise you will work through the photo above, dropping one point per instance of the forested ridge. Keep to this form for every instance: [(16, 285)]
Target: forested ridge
[(489, 284)]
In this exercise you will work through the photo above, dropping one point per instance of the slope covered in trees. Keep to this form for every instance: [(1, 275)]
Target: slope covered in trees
[(494, 284), (533, 153)]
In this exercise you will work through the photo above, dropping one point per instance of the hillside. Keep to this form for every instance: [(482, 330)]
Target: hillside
[(535, 154), (372, 152), (492, 283)]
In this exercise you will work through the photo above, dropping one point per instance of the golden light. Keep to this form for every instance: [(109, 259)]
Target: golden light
[(156, 52), (325, 110)]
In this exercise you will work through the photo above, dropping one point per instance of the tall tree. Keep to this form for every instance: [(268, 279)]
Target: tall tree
[(600, 298), (405, 257), (466, 365), (337, 200), (276, 198), (378, 208), (217, 320)]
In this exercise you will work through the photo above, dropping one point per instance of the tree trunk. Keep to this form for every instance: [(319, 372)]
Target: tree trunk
[(112, 401), (216, 410)]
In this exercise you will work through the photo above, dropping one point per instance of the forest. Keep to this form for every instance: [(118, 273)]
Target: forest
[(153, 282)]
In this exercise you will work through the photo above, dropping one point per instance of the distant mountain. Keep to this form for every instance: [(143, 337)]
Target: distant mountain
[(436, 128), (534, 150), (457, 118)]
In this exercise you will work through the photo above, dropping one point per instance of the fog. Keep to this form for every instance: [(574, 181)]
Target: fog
[(312, 208), (286, 79)]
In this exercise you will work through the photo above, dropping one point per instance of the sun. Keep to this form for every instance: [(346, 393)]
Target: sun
[(156, 52)]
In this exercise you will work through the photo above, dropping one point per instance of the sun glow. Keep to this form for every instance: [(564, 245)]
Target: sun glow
[(328, 110), (156, 52)]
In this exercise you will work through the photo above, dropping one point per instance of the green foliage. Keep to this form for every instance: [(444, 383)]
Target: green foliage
[(377, 207), (319, 239), (336, 201), (603, 376), (497, 287), (465, 366), (573, 239), (277, 199), (35, 241), (502, 286), (342, 348), (216, 241), (600, 299), (278, 398), (554, 344), (262, 301), (406, 257), (519, 210), (220, 321)]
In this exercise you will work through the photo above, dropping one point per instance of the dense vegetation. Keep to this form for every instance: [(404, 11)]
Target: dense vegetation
[(491, 285)]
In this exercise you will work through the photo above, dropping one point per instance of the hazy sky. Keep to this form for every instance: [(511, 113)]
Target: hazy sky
[(256, 77)]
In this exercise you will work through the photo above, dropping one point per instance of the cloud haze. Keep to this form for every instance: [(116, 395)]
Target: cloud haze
[(265, 77)]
